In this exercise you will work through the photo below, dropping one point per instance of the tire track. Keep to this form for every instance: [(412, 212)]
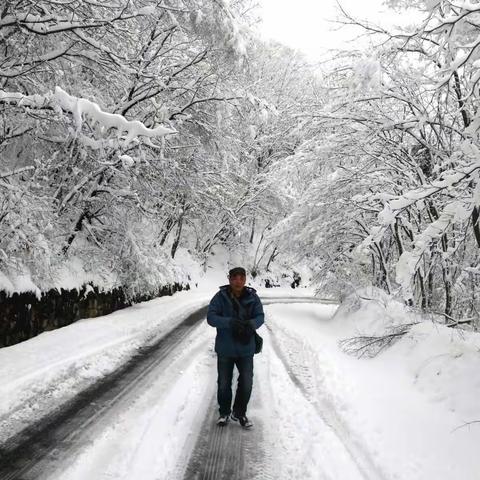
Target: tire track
[(27, 455), (230, 452), (326, 411), (43, 446), (218, 452)]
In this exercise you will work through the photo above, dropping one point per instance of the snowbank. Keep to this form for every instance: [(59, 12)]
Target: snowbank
[(442, 363), (371, 311), (414, 407)]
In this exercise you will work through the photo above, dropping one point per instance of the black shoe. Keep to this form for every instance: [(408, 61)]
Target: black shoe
[(223, 420), (244, 421)]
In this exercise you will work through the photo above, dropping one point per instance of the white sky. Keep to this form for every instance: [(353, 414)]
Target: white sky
[(304, 24)]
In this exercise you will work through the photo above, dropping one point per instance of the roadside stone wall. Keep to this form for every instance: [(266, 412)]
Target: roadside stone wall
[(23, 315)]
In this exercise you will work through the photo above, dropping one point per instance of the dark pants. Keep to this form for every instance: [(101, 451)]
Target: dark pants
[(244, 386)]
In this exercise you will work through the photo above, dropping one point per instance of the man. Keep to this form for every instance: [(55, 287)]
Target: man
[(236, 312)]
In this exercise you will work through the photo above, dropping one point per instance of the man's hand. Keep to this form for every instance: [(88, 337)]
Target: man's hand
[(242, 330), (237, 323)]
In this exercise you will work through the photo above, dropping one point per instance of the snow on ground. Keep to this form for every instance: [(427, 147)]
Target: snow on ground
[(403, 411), (403, 414), (38, 375), (300, 443), (151, 432)]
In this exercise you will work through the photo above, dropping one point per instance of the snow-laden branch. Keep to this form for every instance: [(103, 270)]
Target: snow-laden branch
[(81, 109), (468, 8), (396, 204), (26, 65), (49, 24), (453, 212), (408, 262), (16, 171)]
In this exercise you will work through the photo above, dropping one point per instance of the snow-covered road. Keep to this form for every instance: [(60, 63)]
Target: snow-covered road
[(154, 418), (60, 436), (151, 416)]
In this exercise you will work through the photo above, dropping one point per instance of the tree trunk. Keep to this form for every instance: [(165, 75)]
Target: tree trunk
[(272, 257), (421, 284), (177, 236), (168, 225), (466, 124), (476, 224)]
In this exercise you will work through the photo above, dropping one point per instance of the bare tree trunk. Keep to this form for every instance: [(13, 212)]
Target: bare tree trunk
[(447, 279), (177, 236), (476, 224), (430, 288), (448, 294), (167, 228), (384, 280), (466, 124), (275, 252), (76, 229), (252, 234), (398, 238), (421, 284)]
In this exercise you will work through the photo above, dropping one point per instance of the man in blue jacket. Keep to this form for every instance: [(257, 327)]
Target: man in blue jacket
[(236, 312)]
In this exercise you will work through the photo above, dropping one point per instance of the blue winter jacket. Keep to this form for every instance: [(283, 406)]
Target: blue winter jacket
[(221, 313)]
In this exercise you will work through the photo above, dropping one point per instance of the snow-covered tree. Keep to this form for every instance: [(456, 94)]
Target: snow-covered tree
[(400, 167), (102, 107)]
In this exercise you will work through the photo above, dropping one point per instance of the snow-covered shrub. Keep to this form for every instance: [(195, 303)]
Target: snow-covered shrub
[(371, 311)]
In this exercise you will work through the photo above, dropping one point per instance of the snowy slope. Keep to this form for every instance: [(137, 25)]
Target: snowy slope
[(406, 409)]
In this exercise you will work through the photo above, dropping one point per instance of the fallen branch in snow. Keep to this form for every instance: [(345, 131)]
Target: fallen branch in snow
[(371, 345), (466, 424), (454, 322)]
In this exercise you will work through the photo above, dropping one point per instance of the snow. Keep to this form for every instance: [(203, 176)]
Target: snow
[(387, 216), (448, 180), (72, 274), (403, 414), (38, 375), (6, 284), (300, 442), (370, 310), (367, 74), (407, 263), (152, 436), (43, 24), (406, 407), (468, 5), (18, 283), (127, 161), (81, 107), (148, 10)]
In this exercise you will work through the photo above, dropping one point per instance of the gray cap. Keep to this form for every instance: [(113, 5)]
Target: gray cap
[(237, 271)]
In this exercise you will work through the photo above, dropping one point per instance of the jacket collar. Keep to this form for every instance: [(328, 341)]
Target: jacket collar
[(247, 291)]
